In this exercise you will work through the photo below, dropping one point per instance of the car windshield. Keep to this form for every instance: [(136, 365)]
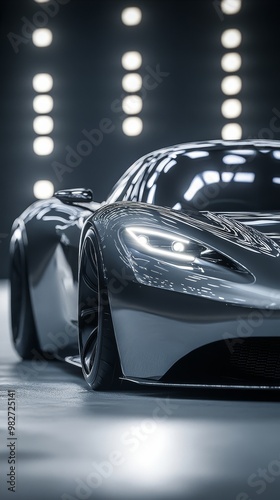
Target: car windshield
[(234, 179)]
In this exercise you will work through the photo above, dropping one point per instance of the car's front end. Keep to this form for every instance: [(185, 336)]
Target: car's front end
[(194, 296)]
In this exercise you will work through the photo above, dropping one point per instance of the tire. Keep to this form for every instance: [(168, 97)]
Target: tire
[(97, 344), (24, 334)]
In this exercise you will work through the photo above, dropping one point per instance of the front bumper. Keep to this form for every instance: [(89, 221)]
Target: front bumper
[(156, 328)]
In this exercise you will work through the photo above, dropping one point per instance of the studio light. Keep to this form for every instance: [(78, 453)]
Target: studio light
[(132, 104), (231, 85), (232, 132), (131, 16), (131, 60), (43, 146), (132, 82), (230, 6), (43, 190), (231, 62), (132, 126), (42, 37), (43, 103), (42, 82), (231, 38), (231, 108), (43, 125)]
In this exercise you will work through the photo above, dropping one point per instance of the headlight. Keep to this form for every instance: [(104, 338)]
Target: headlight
[(167, 259), (174, 248), (162, 244)]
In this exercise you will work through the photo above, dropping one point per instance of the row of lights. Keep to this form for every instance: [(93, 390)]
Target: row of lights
[(132, 81), (231, 84), (132, 104), (43, 124)]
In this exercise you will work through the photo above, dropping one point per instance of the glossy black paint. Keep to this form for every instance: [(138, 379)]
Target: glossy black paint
[(213, 176), (165, 305), (77, 195), (52, 233)]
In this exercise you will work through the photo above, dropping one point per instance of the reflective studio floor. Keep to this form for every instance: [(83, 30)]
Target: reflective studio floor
[(135, 444)]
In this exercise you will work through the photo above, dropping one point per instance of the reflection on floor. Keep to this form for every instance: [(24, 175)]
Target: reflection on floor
[(135, 444)]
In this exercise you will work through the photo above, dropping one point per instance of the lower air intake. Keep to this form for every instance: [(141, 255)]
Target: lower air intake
[(254, 361), (257, 357)]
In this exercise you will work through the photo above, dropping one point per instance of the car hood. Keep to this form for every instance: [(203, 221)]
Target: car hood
[(266, 223)]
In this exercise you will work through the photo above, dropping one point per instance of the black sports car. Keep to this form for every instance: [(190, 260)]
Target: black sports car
[(174, 279)]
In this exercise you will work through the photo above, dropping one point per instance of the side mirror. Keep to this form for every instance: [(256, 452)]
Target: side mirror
[(77, 195)]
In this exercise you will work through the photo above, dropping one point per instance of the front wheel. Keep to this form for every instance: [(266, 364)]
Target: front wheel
[(97, 343)]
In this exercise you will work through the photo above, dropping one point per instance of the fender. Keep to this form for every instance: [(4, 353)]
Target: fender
[(51, 231)]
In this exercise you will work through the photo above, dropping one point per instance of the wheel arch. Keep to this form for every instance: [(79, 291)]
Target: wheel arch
[(97, 342), (51, 233)]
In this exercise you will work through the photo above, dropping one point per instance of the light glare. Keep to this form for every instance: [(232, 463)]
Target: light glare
[(131, 60), (42, 37), (132, 126), (233, 159), (43, 103), (227, 176), (196, 185), (43, 125), (244, 177), (131, 16), (132, 104), (177, 206), (43, 190), (197, 154), (43, 146), (42, 82), (178, 246), (211, 176), (132, 82), (144, 240)]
